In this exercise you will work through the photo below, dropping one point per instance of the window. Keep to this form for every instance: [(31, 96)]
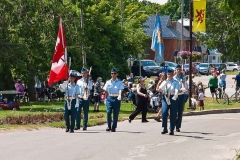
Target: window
[(147, 51), (148, 63)]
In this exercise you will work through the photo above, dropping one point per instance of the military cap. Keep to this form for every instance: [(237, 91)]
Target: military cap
[(178, 66), (170, 70), (72, 74), (83, 69), (114, 70)]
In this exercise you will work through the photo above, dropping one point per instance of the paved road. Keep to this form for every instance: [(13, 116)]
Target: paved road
[(204, 79), (208, 137)]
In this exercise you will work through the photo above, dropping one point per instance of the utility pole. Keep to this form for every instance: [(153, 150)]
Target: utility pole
[(190, 58), (82, 27), (182, 10)]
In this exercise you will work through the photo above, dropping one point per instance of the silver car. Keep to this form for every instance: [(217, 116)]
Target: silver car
[(204, 68)]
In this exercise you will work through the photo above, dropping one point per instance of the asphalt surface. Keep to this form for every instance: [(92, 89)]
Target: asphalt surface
[(229, 81), (207, 137)]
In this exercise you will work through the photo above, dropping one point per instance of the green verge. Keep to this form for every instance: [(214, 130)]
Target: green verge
[(232, 73), (95, 118)]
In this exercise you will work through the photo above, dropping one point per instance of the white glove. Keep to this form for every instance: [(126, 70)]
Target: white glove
[(183, 90), (77, 103), (119, 97), (64, 85), (175, 97), (163, 84)]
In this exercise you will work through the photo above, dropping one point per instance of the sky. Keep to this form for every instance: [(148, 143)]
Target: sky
[(158, 1)]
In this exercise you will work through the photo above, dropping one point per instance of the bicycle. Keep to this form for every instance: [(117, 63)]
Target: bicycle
[(221, 96), (235, 97)]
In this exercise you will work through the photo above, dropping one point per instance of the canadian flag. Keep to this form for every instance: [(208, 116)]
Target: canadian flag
[(59, 69)]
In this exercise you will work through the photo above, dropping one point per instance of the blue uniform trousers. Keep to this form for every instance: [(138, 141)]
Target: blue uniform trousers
[(71, 113), (113, 105), (180, 107), (85, 105), (173, 112)]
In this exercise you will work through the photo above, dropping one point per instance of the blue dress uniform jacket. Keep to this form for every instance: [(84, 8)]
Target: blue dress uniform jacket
[(168, 93), (112, 103), (71, 91), (82, 83), (181, 100)]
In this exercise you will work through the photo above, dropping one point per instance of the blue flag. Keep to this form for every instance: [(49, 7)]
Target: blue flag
[(157, 41)]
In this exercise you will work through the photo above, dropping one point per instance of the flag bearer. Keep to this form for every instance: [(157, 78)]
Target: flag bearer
[(181, 78), (113, 88), (169, 88), (71, 103)]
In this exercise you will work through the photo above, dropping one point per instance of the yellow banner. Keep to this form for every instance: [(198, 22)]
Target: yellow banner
[(199, 16)]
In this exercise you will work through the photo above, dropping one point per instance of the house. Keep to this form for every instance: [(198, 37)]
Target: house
[(214, 56), (171, 32)]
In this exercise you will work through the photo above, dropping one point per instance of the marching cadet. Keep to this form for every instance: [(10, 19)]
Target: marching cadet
[(85, 85), (71, 104), (113, 88), (180, 77), (169, 88)]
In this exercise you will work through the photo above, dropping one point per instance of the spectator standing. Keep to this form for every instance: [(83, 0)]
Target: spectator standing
[(213, 84), (223, 77), (200, 100), (38, 87), (96, 94)]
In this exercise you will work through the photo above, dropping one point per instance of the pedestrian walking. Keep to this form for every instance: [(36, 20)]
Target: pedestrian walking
[(142, 100), (180, 77), (169, 88), (71, 104), (85, 86), (223, 77), (113, 88)]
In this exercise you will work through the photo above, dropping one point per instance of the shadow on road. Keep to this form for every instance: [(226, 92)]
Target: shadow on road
[(198, 132), (195, 137)]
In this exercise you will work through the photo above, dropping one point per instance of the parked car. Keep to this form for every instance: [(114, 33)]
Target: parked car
[(204, 68), (148, 68), (186, 69), (232, 67), (219, 66), (172, 65)]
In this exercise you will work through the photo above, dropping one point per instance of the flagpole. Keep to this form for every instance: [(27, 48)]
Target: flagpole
[(190, 58)]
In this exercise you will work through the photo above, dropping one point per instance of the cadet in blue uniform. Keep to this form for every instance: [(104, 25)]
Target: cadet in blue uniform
[(169, 88), (113, 88), (71, 103), (83, 99), (180, 77)]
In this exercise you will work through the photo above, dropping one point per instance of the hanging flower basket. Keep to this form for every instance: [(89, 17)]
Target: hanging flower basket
[(184, 54), (196, 56)]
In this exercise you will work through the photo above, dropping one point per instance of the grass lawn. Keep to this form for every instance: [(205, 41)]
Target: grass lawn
[(232, 73), (95, 118)]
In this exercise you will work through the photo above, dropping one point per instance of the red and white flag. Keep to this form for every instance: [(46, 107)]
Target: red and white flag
[(59, 69)]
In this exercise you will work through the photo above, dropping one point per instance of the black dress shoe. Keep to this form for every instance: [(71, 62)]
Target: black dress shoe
[(129, 120), (71, 131), (164, 131), (145, 121), (67, 129), (76, 128), (177, 130), (84, 129), (157, 119), (108, 129), (171, 133), (113, 130)]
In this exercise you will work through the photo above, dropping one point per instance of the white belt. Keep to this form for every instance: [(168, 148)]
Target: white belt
[(71, 98), (80, 96), (113, 95), (181, 93)]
